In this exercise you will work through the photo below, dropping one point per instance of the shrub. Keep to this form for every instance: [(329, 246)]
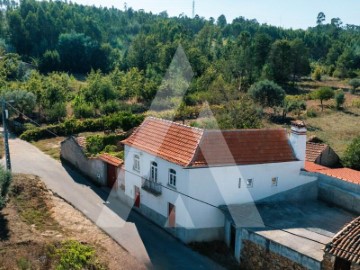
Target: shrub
[(72, 126), (354, 83), (84, 110), (311, 113), (56, 112), (110, 107), (5, 180), (339, 98), (352, 155), (267, 93), (316, 75), (74, 255)]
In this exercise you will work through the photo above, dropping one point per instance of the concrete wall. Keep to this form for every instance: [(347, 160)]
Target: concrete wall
[(94, 168), (267, 254), (328, 158), (341, 193)]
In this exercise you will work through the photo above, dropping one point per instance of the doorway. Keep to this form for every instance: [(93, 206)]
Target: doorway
[(232, 237), (171, 216), (341, 264), (137, 196), (111, 175)]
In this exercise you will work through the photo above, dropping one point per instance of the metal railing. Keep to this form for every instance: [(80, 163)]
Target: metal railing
[(152, 187)]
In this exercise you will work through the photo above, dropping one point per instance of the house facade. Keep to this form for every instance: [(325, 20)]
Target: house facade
[(179, 176)]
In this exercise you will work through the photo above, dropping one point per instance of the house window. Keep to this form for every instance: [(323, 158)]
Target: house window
[(274, 181), (249, 183), (153, 172), (136, 166), (239, 184), (172, 177)]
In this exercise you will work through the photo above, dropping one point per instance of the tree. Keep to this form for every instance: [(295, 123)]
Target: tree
[(320, 18), (239, 114), (23, 101), (339, 98), (354, 83), (352, 155), (293, 104), (324, 93), (280, 61), (221, 21), (300, 64), (267, 93)]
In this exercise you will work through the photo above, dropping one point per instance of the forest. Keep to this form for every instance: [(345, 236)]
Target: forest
[(70, 67)]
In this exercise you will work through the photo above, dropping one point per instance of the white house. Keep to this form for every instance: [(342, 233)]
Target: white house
[(179, 176)]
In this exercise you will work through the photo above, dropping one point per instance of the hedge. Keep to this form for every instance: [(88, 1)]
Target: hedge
[(125, 121)]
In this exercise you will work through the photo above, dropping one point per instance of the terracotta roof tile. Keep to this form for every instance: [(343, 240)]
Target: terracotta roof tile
[(111, 160), (313, 167), (346, 243), (195, 147), (171, 141), (314, 150), (345, 174), (243, 147)]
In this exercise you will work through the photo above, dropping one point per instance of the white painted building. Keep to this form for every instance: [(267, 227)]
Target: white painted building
[(179, 176)]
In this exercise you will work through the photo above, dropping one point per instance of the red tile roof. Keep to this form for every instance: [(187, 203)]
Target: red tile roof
[(171, 141), (111, 160), (345, 174), (346, 243), (255, 146), (314, 150), (313, 167), (193, 147)]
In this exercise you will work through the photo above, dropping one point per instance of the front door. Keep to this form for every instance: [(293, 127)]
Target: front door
[(137, 196), (172, 216), (111, 175)]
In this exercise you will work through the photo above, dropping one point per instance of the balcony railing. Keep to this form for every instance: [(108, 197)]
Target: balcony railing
[(152, 187)]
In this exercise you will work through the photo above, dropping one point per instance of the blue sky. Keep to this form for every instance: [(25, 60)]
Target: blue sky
[(285, 13)]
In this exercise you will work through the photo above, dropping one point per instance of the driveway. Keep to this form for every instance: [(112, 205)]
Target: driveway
[(144, 240)]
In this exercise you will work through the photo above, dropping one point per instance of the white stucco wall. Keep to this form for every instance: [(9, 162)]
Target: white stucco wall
[(200, 191)]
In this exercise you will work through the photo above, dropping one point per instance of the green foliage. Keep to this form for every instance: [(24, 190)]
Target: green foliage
[(352, 155), (295, 104), (356, 103), (339, 98), (84, 110), (354, 83), (23, 264), (311, 113), (22, 100), (50, 61), (5, 180), (267, 93), (239, 114), (105, 143), (324, 93), (57, 112), (316, 75), (94, 144), (74, 255), (124, 121)]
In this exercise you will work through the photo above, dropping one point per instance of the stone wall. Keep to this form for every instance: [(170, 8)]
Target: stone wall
[(329, 262), (93, 168), (256, 257)]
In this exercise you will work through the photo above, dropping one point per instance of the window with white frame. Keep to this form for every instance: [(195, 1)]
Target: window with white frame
[(153, 171), (172, 177), (136, 165), (250, 183), (274, 181)]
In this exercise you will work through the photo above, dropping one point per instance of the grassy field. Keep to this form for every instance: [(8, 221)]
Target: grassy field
[(50, 147)]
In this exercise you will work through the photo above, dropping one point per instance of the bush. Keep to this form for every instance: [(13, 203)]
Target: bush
[(339, 98), (355, 83), (5, 180), (74, 255), (84, 110), (316, 75), (311, 113), (352, 155), (56, 112), (267, 93), (126, 121)]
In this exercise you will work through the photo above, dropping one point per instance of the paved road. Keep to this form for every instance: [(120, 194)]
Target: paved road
[(144, 240)]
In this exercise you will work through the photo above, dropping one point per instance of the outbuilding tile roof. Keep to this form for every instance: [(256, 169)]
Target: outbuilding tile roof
[(314, 150), (346, 244), (345, 174), (193, 147), (111, 160)]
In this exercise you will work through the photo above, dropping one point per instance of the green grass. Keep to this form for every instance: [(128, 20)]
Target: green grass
[(50, 147), (29, 198)]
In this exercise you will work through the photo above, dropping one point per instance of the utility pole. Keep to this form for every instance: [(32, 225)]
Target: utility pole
[(193, 9), (6, 135)]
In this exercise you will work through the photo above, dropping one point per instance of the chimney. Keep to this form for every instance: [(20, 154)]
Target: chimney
[(298, 140)]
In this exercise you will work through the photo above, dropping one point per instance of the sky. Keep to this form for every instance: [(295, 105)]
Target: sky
[(285, 13)]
